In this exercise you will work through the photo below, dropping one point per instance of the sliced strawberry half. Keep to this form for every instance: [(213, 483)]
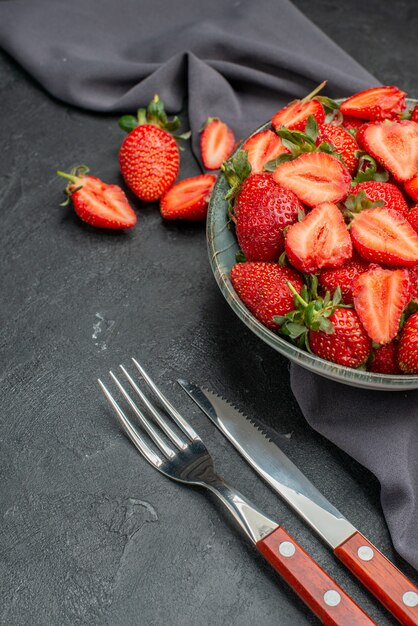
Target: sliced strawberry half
[(263, 147), (321, 239), (394, 145), (413, 276), (412, 217), (314, 177), (216, 143), (96, 202), (188, 199), (382, 235), (379, 298), (295, 115), (375, 104)]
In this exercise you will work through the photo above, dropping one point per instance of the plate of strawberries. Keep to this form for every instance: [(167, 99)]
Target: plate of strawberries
[(313, 235)]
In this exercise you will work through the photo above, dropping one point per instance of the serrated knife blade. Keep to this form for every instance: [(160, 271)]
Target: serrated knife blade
[(268, 460)]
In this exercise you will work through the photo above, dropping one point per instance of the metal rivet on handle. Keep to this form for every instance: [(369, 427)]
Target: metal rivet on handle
[(410, 598), (332, 597), (365, 553), (287, 549)]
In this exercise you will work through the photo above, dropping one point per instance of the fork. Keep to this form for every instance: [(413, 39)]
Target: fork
[(174, 448)]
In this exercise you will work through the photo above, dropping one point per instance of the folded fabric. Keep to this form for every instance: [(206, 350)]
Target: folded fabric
[(240, 61)]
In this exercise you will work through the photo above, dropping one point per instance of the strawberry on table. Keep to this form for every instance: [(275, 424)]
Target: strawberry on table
[(188, 199), (380, 297), (383, 235), (263, 147), (320, 240), (384, 359), (295, 115), (149, 156), (389, 193), (394, 145), (375, 104), (216, 143), (408, 346), (96, 202), (342, 142), (263, 289), (314, 177), (263, 209), (343, 277)]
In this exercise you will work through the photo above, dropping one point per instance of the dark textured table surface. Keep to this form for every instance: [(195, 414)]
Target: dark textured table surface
[(90, 534)]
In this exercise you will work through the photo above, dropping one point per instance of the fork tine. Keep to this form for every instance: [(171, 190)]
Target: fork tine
[(130, 429), (158, 418), (144, 421), (178, 419)]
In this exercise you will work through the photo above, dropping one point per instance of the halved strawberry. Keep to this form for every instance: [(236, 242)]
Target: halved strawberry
[(382, 235), (314, 177), (375, 104), (342, 142), (263, 147), (389, 193), (379, 298), (188, 199), (216, 143), (96, 202), (411, 188), (394, 145), (295, 115), (413, 277), (414, 115), (343, 277), (321, 239), (263, 289)]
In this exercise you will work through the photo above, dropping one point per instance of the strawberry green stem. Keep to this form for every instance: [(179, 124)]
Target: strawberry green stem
[(297, 295), (314, 92), (74, 179)]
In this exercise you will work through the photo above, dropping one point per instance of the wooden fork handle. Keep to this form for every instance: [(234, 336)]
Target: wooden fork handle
[(314, 586), (381, 577)]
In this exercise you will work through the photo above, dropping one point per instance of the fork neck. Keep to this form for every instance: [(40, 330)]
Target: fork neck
[(251, 520)]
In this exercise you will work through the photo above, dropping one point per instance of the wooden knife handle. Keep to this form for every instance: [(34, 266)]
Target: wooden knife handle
[(381, 577), (319, 591)]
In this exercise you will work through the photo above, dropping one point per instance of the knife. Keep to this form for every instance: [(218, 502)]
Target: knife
[(394, 590)]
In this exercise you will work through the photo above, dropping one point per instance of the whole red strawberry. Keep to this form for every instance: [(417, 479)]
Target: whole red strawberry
[(149, 156), (262, 210), (347, 345), (343, 277), (408, 346), (263, 289), (96, 202), (385, 359), (342, 142), (325, 327), (413, 277), (389, 193)]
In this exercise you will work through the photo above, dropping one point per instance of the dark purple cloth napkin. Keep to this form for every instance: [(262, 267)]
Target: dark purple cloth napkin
[(240, 60)]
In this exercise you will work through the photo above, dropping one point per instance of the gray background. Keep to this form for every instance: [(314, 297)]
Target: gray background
[(89, 533)]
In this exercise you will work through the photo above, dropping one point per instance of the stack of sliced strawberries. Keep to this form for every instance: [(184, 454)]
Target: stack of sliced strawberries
[(323, 206)]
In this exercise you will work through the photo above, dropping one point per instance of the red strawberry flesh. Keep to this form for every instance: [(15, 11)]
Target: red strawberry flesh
[(380, 296), (263, 147), (295, 115), (343, 277), (374, 104), (320, 240), (394, 145), (188, 199), (382, 235), (315, 177), (216, 143)]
